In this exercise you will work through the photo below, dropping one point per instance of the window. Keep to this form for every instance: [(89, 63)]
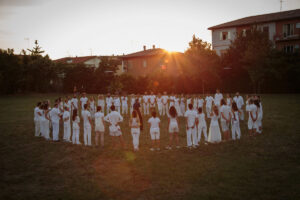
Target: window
[(224, 35), (288, 29), (298, 25), (288, 48), (265, 29), (144, 63), (244, 32)]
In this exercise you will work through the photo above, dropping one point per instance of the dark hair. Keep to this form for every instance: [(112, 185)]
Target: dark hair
[(99, 108), (74, 115), (153, 114), (190, 106), (199, 110), (251, 101), (134, 114), (234, 106), (85, 106), (216, 110), (256, 102), (173, 112), (38, 104), (223, 102), (112, 107)]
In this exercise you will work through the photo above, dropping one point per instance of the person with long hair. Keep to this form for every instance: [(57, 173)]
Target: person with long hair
[(99, 126), (55, 115), (214, 135), (225, 115), (252, 110), (134, 123), (235, 122), (76, 127), (87, 125), (173, 127)]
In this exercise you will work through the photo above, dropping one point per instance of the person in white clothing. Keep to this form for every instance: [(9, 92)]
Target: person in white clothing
[(101, 102), (67, 125), (44, 121), (173, 127), (252, 110), (200, 102), (259, 117), (165, 99), (218, 97), (191, 121), (117, 104), (225, 116), (201, 126), (146, 104), (132, 101), (74, 102), (235, 122), (37, 115), (76, 127), (99, 127), (228, 100), (214, 135), (182, 104), (124, 101), (92, 106), (195, 102), (240, 103), (83, 100), (177, 106), (87, 126), (154, 131), (109, 102), (159, 103), (152, 99), (114, 118), (208, 102), (134, 123), (55, 115)]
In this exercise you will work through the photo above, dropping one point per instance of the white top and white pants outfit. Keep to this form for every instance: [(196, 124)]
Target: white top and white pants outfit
[(218, 97), (191, 134), (54, 114), (165, 104), (240, 102), (146, 104), (159, 105), (209, 100), (226, 112), (114, 118), (235, 125), (76, 128), (87, 128), (37, 121), (135, 132), (202, 126), (252, 109), (124, 101), (182, 105), (101, 103), (154, 128), (67, 126)]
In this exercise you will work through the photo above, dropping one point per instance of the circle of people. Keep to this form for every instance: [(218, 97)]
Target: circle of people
[(226, 110)]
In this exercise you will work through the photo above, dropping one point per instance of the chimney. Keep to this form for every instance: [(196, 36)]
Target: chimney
[(144, 47), (153, 46)]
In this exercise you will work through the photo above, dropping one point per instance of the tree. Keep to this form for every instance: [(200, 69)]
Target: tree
[(36, 50)]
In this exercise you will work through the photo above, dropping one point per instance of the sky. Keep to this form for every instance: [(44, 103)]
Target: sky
[(106, 27)]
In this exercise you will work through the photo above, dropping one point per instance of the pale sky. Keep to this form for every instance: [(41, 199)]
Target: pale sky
[(105, 27)]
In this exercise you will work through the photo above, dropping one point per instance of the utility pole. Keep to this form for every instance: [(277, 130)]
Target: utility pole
[(281, 1)]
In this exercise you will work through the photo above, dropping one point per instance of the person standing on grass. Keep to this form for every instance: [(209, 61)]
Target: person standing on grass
[(92, 106), (165, 99), (55, 115), (218, 97), (109, 102), (201, 126), (67, 125), (87, 125), (191, 121), (228, 100), (37, 115), (136, 107), (76, 127), (177, 105), (74, 102), (114, 118), (208, 102), (260, 116), (124, 101), (200, 102), (152, 101), (83, 100), (240, 103), (225, 119), (182, 104), (99, 127), (46, 121), (101, 102), (154, 131), (252, 110), (146, 103), (173, 127), (159, 103), (117, 103), (214, 135), (134, 123), (235, 122)]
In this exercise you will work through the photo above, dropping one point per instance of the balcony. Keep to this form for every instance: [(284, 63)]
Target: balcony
[(283, 38)]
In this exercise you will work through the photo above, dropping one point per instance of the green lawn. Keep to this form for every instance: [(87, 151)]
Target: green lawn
[(262, 167)]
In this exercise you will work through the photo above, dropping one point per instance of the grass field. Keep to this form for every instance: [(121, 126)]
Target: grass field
[(262, 167)]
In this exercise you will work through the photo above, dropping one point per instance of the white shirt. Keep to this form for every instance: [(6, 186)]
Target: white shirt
[(54, 115), (146, 99), (83, 101), (225, 110), (65, 116), (191, 117), (113, 118), (165, 99), (109, 101), (152, 99), (98, 119), (76, 122), (200, 102), (218, 97), (253, 110), (75, 102), (239, 102), (237, 117), (124, 100), (154, 122), (117, 101), (159, 100), (36, 111), (188, 101), (209, 100), (101, 102), (86, 115), (201, 119)]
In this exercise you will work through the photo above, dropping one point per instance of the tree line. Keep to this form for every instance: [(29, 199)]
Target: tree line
[(250, 65)]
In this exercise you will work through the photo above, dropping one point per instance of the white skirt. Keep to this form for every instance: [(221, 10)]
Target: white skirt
[(214, 134)]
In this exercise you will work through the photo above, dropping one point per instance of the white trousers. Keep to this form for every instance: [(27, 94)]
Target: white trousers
[(235, 131), (125, 109), (182, 108), (46, 130), (75, 136), (146, 109), (164, 109), (135, 138), (159, 107), (208, 111), (118, 108), (55, 131), (87, 135), (37, 126), (67, 132), (242, 114), (191, 137), (201, 129)]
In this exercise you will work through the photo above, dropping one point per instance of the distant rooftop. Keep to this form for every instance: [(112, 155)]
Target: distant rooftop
[(271, 17), (74, 60), (148, 52)]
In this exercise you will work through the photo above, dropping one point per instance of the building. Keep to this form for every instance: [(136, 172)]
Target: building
[(151, 62), (90, 61), (283, 29)]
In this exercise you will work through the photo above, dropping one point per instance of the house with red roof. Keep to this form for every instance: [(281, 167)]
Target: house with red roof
[(90, 61), (283, 29)]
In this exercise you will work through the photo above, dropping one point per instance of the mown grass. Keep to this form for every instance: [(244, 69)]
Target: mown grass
[(262, 167)]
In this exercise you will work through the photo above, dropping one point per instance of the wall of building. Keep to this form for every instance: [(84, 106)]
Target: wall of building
[(220, 44), (93, 62)]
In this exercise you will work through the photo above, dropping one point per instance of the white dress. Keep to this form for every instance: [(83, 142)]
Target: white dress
[(214, 134)]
